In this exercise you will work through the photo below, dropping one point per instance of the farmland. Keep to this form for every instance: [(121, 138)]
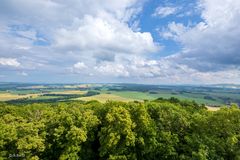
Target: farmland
[(9, 96), (105, 97), (208, 95)]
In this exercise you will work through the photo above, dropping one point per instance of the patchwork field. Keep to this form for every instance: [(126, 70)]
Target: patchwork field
[(9, 96), (105, 97), (208, 95), (163, 94)]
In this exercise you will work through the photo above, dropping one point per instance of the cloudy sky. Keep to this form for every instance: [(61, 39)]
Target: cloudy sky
[(135, 41)]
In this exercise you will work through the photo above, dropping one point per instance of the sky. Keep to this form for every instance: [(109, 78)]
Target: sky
[(120, 41)]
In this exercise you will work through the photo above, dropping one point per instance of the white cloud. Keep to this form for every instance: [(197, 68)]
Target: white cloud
[(22, 47), (12, 62), (173, 31), (112, 69), (55, 13), (162, 71), (80, 66), (94, 33), (104, 38), (212, 44), (87, 31), (165, 11)]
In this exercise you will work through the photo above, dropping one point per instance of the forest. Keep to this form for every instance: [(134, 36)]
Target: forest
[(158, 129)]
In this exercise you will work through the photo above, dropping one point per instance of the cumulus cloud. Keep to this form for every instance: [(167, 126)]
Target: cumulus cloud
[(110, 35), (104, 39), (12, 62), (163, 71), (80, 65), (212, 44), (63, 32), (137, 67), (79, 68), (112, 69), (47, 15)]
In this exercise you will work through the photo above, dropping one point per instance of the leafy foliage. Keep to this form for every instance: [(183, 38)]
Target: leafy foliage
[(160, 129)]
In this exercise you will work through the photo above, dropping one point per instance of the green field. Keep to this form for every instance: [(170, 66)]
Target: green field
[(208, 95), (147, 96)]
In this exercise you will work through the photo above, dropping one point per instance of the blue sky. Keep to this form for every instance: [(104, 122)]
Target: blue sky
[(128, 41)]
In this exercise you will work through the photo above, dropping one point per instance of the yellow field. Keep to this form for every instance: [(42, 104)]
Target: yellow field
[(9, 96), (105, 97), (213, 108), (69, 92)]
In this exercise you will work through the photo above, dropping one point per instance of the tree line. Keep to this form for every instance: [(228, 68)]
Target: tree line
[(160, 129)]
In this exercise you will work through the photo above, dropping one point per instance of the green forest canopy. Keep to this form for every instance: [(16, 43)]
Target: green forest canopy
[(160, 129)]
